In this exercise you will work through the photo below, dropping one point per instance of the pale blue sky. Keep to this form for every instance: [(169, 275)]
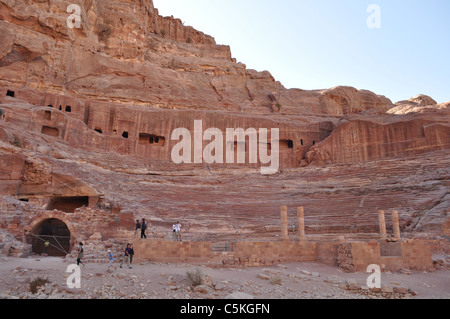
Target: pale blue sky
[(319, 44)]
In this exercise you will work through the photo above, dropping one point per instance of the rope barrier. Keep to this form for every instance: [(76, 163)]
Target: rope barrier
[(62, 248)]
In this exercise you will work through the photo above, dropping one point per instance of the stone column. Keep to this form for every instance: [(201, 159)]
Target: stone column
[(301, 223), (284, 226), (382, 224), (396, 225)]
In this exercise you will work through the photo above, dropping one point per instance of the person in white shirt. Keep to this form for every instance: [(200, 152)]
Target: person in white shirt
[(174, 232), (178, 231)]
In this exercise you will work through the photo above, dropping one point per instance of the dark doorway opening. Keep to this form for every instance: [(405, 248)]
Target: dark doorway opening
[(50, 131), (10, 93), (48, 115), (68, 204), (286, 144), (54, 231), (145, 138)]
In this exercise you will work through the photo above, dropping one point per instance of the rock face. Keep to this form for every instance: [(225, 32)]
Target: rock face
[(125, 52), (360, 140), (87, 116)]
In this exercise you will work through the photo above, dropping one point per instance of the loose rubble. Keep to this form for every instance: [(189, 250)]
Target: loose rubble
[(170, 281)]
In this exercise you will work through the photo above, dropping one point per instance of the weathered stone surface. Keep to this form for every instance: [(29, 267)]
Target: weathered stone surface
[(202, 289), (82, 105)]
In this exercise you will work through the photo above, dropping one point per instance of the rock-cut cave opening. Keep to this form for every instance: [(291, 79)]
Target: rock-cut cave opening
[(56, 232)]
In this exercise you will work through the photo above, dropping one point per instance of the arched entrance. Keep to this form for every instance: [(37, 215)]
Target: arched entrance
[(53, 230)]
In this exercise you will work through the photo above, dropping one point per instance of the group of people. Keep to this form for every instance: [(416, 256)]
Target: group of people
[(141, 227), (127, 257)]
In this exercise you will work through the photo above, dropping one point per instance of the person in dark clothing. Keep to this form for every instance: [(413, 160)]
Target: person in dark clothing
[(143, 228), (131, 252), (138, 228), (127, 257)]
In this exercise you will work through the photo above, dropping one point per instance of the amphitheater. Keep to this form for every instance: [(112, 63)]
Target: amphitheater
[(86, 141)]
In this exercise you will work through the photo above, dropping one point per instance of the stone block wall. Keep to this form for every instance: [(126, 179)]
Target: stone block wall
[(277, 251), (351, 257), (245, 254), (168, 251), (415, 255)]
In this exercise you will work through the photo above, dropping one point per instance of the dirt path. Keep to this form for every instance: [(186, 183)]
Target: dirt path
[(170, 281)]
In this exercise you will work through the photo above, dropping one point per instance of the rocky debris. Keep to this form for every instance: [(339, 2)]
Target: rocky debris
[(202, 289), (442, 262), (405, 271), (352, 285), (264, 276), (345, 258), (336, 280), (10, 246), (154, 280), (387, 292)]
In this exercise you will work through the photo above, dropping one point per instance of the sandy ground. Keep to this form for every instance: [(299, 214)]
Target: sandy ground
[(170, 281)]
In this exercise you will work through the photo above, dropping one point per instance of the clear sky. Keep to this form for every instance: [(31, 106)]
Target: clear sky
[(319, 44)]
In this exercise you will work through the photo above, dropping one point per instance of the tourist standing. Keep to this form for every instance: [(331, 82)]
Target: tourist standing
[(174, 232), (143, 228), (178, 231), (138, 228)]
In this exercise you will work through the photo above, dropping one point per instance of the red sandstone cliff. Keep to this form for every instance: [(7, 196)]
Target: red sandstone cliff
[(80, 102)]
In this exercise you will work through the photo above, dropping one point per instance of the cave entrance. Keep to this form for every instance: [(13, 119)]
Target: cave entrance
[(56, 232), (68, 204), (50, 131)]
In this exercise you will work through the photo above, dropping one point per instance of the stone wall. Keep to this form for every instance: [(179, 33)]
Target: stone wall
[(167, 251), (413, 254), (351, 257)]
